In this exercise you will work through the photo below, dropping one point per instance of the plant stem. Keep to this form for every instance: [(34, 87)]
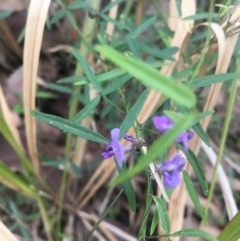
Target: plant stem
[(230, 106), (88, 34)]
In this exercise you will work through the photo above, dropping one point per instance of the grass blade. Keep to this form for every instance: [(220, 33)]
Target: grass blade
[(150, 77), (132, 114), (70, 127)]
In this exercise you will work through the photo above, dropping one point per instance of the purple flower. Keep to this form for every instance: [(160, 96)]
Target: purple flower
[(114, 148), (170, 170), (184, 138), (162, 123)]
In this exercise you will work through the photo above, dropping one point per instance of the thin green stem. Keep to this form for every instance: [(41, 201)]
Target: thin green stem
[(206, 43), (88, 34), (103, 216), (230, 106)]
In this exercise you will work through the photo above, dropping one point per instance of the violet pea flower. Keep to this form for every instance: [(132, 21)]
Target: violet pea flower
[(164, 123), (171, 170), (184, 138), (114, 148)]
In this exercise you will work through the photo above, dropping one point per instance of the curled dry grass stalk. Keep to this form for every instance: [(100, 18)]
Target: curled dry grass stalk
[(225, 51), (36, 18)]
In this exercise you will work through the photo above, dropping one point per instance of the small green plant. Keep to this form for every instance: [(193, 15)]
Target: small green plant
[(136, 119)]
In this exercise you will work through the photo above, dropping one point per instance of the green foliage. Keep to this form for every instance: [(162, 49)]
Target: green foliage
[(71, 127), (194, 233), (193, 195), (132, 114), (154, 151), (232, 230), (150, 77), (5, 14), (162, 213), (198, 169), (213, 79), (128, 188)]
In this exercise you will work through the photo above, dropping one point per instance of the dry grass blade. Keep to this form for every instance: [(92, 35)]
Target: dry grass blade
[(110, 26), (5, 234), (9, 40), (106, 227), (36, 18), (100, 176), (229, 200), (8, 116), (222, 65)]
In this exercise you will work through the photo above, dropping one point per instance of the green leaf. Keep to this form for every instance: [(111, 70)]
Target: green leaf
[(132, 114), (134, 46), (5, 14), (16, 182), (198, 169), (111, 5), (100, 78), (201, 16), (144, 224), (163, 213), (231, 232), (196, 233), (78, 4), (162, 54), (201, 133), (157, 148), (193, 195), (72, 79), (154, 222), (128, 188), (143, 27), (195, 124), (87, 110), (58, 16), (59, 88), (212, 79), (25, 162), (150, 77), (70, 127), (86, 69), (115, 85)]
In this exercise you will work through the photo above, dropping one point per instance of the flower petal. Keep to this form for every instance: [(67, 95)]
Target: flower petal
[(118, 152), (106, 154), (176, 163), (184, 138), (115, 134), (162, 123), (171, 179)]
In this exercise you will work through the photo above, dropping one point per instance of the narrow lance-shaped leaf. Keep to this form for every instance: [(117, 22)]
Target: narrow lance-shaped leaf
[(163, 213), (87, 110), (132, 114), (195, 233), (70, 127), (198, 169), (232, 230), (212, 79), (128, 188), (194, 196), (150, 77), (86, 69)]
